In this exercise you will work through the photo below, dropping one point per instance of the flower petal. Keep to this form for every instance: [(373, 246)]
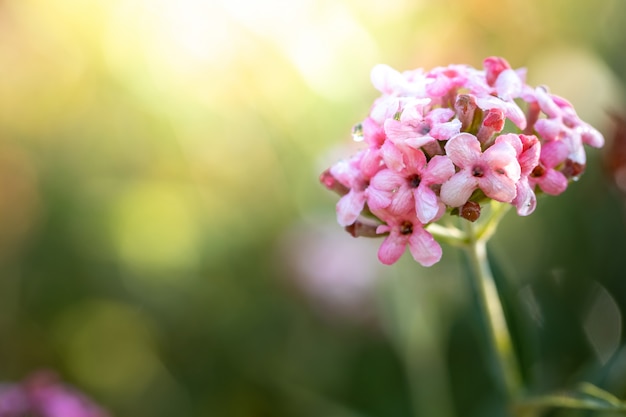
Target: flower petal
[(349, 207), (498, 186), (549, 129), (414, 161), (444, 131), (553, 182), (392, 156), (424, 247), (463, 149), (525, 201), (386, 79), (502, 159), (553, 153), (392, 248), (426, 203), (508, 85), (440, 115), (438, 170), (457, 190)]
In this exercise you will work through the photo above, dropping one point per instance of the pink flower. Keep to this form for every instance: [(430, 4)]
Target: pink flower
[(494, 171), (550, 180), (407, 231), (354, 174), (494, 65), (417, 130), (410, 189), (442, 141), (391, 82), (510, 109), (564, 124), (527, 148)]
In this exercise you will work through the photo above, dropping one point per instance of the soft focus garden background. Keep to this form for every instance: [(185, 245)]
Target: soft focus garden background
[(165, 245)]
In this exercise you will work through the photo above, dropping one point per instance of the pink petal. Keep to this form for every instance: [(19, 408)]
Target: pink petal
[(494, 65), (370, 162), (373, 133), (386, 79), (512, 139), (457, 190), (549, 129), (419, 141), (384, 108), (498, 186), (414, 110), (392, 156), (392, 248), (529, 159), (401, 201), (515, 114), (387, 180), (398, 131), (414, 160), (553, 182), (345, 172), (444, 131), (546, 103), (591, 136), (382, 185), (525, 201), (510, 109), (426, 203), (440, 115), (438, 170), (502, 159), (508, 85), (377, 199), (349, 207), (463, 149), (553, 153), (424, 247)]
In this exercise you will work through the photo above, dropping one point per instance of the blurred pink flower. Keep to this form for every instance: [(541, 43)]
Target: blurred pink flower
[(44, 395)]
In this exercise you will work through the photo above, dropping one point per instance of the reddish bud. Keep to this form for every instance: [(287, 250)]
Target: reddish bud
[(332, 184), (493, 67), (470, 211), (492, 123)]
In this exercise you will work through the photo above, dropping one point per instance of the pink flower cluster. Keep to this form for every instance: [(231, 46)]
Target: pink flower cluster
[(448, 140)]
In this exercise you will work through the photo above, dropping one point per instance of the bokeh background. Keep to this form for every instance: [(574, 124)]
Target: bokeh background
[(165, 245)]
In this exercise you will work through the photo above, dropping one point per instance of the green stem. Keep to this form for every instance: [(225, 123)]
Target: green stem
[(498, 332)]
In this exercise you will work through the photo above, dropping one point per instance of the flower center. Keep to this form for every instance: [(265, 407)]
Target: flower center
[(406, 228), (414, 180), (538, 171), (478, 171)]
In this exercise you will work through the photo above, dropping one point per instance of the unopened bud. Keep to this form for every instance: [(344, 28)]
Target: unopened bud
[(332, 184), (362, 228), (465, 107), (492, 123), (470, 211), (493, 67)]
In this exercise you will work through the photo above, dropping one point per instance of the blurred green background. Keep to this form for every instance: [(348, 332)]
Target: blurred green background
[(165, 245)]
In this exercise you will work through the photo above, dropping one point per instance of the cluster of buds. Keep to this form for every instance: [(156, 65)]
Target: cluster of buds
[(448, 141)]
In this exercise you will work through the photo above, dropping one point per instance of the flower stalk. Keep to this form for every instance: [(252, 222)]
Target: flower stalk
[(499, 337)]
